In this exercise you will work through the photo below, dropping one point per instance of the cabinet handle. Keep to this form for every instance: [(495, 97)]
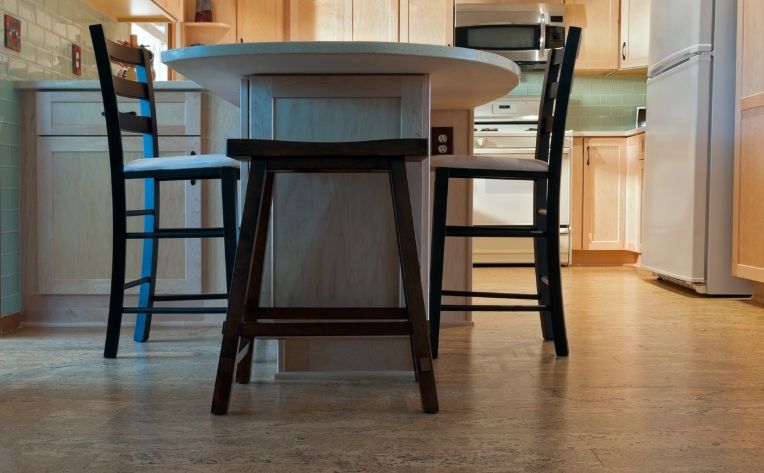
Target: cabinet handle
[(193, 181), (587, 155), (623, 50)]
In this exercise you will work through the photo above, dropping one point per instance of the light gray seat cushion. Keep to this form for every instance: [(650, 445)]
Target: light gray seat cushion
[(497, 163), (172, 163)]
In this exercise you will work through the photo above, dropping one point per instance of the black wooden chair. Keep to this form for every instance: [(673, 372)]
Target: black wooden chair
[(153, 170), (545, 172)]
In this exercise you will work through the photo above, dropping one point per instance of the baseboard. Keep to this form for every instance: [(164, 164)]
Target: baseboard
[(604, 257), (10, 323)]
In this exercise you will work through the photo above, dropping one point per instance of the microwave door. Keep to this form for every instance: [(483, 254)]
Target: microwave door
[(518, 42)]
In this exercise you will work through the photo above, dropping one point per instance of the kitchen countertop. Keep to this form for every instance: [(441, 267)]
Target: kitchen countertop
[(608, 134), (460, 78), (179, 85)]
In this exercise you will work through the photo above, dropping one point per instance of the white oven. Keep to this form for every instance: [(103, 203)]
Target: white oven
[(497, 202)]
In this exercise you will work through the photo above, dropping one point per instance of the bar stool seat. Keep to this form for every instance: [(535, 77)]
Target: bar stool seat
[(247, 321)]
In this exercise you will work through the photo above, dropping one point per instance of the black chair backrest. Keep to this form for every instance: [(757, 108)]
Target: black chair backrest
[(553, 112), (106, 53)]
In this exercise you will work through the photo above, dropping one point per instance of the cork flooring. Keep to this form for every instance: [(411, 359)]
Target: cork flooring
[(658, 380)]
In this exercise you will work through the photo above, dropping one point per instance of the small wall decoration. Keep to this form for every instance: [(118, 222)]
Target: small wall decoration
[(76, 60), (12, 33), (203, 11)]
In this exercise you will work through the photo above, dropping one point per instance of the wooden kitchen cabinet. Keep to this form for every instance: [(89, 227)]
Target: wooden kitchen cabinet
[(607, 195), (343, 20), (604, 205), (427, 21), (748, 191), (259, 20), (635, 33), (66, 202), (599, 42)]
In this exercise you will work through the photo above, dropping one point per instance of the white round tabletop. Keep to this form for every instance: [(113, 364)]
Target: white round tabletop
[(461, 78)]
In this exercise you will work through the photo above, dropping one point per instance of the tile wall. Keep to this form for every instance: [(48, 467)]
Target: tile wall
[(596, 103), (48, 29)]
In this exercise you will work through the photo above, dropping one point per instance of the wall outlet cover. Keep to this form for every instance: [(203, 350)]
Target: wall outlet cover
[(76, 60), (12, 33), (442, 140)]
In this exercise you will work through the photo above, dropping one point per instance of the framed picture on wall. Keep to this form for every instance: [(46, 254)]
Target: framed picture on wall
[(12, 33)]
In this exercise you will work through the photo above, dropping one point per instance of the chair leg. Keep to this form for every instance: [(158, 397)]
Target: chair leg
[(229, 198), (541, 263), (239, 283), (412, 284), (540, 255), (440, 210), (149, 262), (244, 369), (555, 293), (117, 294)]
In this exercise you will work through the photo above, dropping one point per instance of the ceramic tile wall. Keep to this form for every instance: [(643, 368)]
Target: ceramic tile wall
[(596, 103), (48, 29)]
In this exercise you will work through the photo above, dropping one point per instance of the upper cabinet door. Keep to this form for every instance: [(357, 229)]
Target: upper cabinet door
[(375, 20), (635, 33), (259, 20), (599, 46), (427, 21), (321, 20)]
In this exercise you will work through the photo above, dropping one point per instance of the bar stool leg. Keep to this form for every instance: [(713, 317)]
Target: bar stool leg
[(239, 282), (439, 212), (244, 369), (412, 284)]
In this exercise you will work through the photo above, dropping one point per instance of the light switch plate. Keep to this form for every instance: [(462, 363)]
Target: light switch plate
[(442, 140)]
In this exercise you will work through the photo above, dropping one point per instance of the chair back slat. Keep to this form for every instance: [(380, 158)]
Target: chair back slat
[(135, 123), (125, 54), (130, 88)]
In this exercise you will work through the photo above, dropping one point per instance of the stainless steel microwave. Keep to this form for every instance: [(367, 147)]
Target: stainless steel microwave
[(523, 33)]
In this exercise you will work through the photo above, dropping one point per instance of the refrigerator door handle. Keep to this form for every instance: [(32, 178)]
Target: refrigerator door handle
[(677, 58)]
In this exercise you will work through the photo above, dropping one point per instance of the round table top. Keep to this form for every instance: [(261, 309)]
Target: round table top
[(460, 78)]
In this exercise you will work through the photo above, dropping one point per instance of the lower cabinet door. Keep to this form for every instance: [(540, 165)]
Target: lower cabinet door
[(74, 217), (604, 203)]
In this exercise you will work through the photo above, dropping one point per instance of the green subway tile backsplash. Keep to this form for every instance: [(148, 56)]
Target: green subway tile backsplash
[(596, 103), (49, 27)]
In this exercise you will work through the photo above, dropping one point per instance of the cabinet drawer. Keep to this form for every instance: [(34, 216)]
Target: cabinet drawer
[(79, 113)]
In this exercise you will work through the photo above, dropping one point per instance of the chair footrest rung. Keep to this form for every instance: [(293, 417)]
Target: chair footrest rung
[(174, 310), (493, 231), (491, 295), (189, 297), (178, 233), (325, 313), (493, 308), (137, 282), (138, 213), (323, 329)]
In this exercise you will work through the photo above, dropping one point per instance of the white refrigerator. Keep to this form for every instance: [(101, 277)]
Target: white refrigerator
[(687, 201)]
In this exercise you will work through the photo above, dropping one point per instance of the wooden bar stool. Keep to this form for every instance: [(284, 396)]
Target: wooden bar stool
[(246, 320)]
